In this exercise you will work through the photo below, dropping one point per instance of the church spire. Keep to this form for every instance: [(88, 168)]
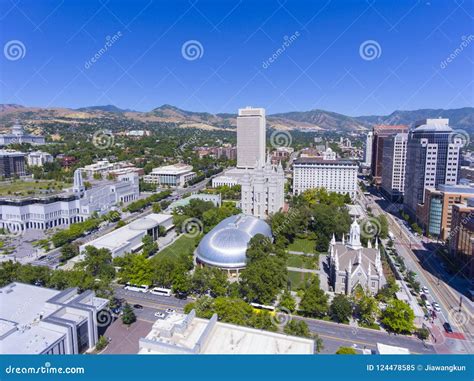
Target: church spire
[(354, 236)]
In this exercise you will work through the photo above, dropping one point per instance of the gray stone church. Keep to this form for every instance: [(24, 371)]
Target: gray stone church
[(351, 264)]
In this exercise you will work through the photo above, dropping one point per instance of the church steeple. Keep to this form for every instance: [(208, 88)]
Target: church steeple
[(354, 236)]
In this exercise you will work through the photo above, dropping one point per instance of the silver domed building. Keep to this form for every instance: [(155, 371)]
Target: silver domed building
[(225, 246)]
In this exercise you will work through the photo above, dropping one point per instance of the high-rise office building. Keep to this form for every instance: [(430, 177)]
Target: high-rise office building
[(380, 134), (393, 166), (368, 149), (250, 137), (12, 163), (432, 159)]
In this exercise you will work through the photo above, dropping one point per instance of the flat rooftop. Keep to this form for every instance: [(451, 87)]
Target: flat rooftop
[(212, 337)]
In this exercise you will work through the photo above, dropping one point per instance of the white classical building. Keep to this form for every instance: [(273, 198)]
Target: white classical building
[(335, 175), (251, 126), (19, 214), (350, 264), (175, 175), (18, 136), (393, 165), (263, 190), (38, 320), (38, 158)]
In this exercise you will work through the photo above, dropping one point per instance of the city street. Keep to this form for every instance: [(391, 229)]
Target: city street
[(408, 246), (334, 335)]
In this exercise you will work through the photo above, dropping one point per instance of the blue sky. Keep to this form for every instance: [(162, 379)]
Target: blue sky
[(322, 66)]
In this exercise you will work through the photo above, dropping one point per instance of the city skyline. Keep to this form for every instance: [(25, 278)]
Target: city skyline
[(372, 58)]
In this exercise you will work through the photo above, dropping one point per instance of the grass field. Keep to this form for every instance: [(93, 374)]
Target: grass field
[(25, 188), (302, 245), (298, 280), (183, 244), (302, 261)]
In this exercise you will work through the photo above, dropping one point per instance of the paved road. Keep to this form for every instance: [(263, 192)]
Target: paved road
[(334, 335), (405, 242)]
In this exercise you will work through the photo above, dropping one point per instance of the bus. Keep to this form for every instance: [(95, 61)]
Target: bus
[(161, 291), (262, 307), (132, 287)]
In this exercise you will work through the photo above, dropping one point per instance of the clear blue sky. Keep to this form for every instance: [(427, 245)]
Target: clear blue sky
[(321, 68)]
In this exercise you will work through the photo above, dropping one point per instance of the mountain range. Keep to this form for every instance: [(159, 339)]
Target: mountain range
[(313, 120)]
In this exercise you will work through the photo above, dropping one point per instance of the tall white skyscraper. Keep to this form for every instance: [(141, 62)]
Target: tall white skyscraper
[(368, 149), (393, 166), (250, 137)]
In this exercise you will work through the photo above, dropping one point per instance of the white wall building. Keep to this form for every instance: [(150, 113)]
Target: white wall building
[(251, 125), (175, 175), (393, 165), (19, 214), (18, 136), (335, 175), (368, 149), (263, 190), (128, 239), (38, 158), (187, 334), (37, 320), (220, 181)]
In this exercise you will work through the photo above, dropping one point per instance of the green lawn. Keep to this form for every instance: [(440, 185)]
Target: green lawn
[(25, 188), (183, 244), (298, 280), (302, 245), (302, 261)]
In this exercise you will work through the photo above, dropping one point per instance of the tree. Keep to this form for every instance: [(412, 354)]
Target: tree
[(128, 316), (367, 310), (383, 233), (101, 343), (388, 291), (136, 269), (181, 284), (287, 301), (398, 317), (156, 207), (98, 263), (149, 247), (297, 328), (68, 251), (341, 308), (423, 333), (318, 343), (315, 301), (346, 351)]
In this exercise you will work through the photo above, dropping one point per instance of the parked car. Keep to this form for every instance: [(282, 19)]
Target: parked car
[(425, 290), (170, 311), (436, 307), (447, 327), (138, 306), (428, 305), (160, 315)]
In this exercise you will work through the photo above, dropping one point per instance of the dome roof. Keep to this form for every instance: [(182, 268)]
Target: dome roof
[(225, 246), (144, 223)]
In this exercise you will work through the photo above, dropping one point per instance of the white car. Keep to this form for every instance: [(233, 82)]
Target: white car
[(170, 311), (436, 307), (425, 290), (160, 315), (428, 305)]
